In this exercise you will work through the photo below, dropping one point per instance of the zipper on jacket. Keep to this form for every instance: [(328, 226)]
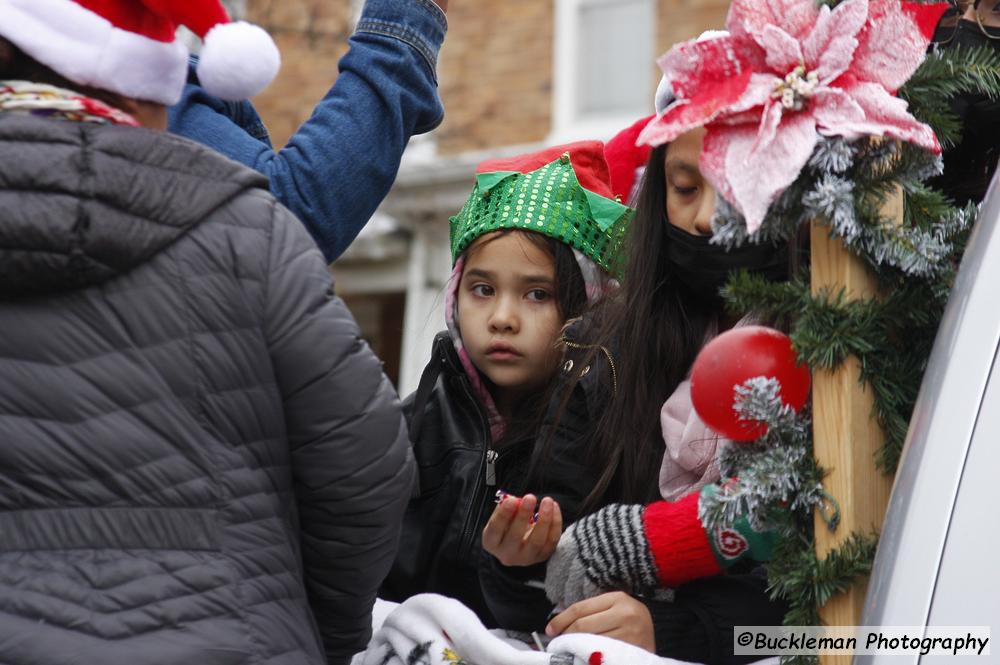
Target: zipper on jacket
[(491, 467), (493, 457)]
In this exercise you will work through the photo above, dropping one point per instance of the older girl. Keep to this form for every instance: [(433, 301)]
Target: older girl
[(604, 442)]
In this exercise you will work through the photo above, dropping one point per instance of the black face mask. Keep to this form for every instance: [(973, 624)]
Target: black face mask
[(704, 268)]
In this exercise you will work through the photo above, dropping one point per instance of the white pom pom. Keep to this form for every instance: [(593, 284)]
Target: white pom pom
[(238, 60)]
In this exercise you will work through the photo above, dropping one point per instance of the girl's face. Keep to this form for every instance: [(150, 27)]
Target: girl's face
[(690, 199), (508, 315)]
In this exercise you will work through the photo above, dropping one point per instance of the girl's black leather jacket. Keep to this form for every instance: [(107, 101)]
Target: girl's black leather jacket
[(459, 474)]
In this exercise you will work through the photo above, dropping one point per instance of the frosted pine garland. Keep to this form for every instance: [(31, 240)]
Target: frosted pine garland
[(832, 199), (777, 473), (832, 155)]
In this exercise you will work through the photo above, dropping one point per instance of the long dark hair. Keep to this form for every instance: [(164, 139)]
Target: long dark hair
[(659, 325), (571, 292)]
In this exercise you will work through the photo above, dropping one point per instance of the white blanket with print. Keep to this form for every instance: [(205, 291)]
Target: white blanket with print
[(433, 630)]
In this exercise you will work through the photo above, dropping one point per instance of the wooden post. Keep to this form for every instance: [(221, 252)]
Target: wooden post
[(846, 437)]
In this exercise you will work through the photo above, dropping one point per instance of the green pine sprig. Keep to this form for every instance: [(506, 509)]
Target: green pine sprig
[(806, 583), (944, 74)]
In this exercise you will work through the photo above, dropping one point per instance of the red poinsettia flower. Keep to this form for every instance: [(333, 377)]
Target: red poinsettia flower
[(787, 73)]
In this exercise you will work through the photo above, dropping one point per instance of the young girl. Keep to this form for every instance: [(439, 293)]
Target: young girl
[(619, 433), (533, 245)]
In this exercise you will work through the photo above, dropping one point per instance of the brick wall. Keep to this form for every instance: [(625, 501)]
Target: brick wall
[(680, 20), (496, 74)]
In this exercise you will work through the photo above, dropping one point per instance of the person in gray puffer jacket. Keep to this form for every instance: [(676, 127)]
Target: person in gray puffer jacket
[(201, 462)]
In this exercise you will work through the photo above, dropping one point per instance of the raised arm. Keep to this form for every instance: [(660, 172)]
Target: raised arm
[(337, 168)]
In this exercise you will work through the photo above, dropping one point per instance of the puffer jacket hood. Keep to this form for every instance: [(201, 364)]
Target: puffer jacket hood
[(102, 199)]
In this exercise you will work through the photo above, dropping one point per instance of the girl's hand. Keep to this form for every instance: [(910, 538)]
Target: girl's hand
[(614, 614), (515, 539)]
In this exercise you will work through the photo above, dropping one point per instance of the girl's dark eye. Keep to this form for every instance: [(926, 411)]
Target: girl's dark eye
[(685, 191), (482, 290), (539, 295)]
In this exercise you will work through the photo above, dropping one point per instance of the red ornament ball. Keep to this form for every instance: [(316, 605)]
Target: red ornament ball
[(731, 359)]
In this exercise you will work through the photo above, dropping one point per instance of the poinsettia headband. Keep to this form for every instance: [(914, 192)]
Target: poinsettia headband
[(786, 73)]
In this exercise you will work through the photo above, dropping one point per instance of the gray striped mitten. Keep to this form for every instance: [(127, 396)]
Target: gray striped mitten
[(604, 551)]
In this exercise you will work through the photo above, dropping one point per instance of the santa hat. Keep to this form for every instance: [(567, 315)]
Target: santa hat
[(627, 161), (926, 15), (130, 47)]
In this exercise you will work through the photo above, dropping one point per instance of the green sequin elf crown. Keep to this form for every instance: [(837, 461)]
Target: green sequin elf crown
[(563, 192)]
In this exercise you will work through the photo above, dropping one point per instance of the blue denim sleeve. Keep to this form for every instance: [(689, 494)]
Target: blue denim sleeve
[(340, 164)]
